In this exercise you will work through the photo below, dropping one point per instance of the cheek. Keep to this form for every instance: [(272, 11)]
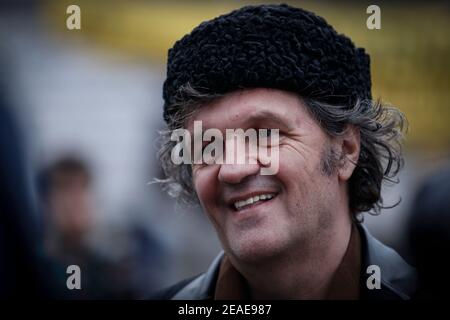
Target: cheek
[(205, 184), (303, 176), (296, 168)]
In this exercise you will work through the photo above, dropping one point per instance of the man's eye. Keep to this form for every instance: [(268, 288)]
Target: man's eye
[(265, 133)]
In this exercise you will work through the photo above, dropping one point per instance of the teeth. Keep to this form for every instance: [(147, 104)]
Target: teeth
[(240, 204), (251, 200)]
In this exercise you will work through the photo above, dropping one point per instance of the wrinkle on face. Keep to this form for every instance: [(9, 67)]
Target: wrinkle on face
[(302, 210)]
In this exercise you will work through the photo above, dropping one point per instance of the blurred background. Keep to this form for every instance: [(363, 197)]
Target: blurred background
[(88, 106)]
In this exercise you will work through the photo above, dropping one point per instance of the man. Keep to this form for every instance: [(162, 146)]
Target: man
[(429, 233), (69, 208), (25, 271), (296, 233)]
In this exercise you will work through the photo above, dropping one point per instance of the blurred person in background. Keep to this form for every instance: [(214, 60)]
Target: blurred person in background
[(72, 237), (69, 205), (296, 234), (69, 212), (429, 235), (25, 270)]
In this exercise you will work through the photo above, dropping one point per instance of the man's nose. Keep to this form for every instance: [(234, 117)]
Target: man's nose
[(241, 161)]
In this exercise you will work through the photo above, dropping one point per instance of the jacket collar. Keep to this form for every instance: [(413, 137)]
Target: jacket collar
[(398, 279), (202, 287)]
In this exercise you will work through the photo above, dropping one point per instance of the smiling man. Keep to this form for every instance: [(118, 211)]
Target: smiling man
[(295, 233)]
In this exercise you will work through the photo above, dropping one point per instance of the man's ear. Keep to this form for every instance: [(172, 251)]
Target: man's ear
[(350, 143)]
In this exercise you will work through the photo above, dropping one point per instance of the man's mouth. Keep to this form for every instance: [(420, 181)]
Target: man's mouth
[(250, 201)]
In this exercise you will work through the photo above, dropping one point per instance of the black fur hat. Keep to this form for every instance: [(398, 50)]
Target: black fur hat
[(273, 46)]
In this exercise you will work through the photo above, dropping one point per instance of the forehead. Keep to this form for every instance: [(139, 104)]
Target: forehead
[(243, 108)]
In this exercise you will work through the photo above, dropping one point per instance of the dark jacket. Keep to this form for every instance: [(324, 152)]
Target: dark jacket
[(398, 279)]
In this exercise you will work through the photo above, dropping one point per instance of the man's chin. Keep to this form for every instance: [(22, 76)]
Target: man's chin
[(254, 250)]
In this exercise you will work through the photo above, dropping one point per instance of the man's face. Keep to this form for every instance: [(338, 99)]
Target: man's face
[(297, 201), (70, 204)]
